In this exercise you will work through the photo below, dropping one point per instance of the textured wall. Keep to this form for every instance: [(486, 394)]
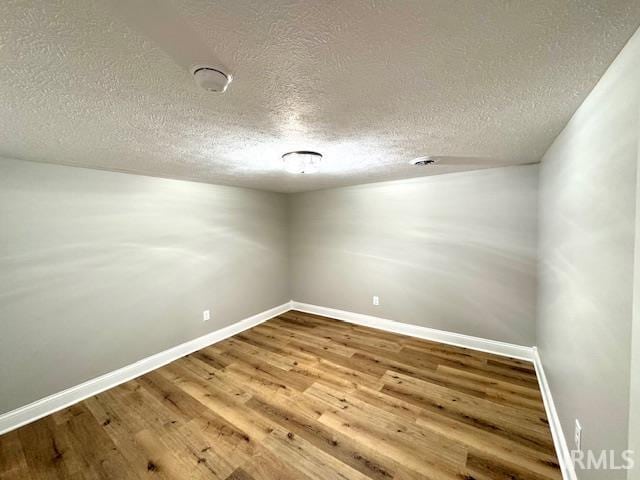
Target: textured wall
[(587, 207), (100, 269), (453, 252)]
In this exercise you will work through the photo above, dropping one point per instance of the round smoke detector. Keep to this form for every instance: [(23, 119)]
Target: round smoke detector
[(211, 79)]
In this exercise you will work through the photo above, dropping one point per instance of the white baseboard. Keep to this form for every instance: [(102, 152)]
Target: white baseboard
[(48, 405), (475, 343), (457, 339), (562, 449)]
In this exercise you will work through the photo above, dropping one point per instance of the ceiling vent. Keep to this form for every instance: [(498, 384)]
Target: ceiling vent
[(422, 161)]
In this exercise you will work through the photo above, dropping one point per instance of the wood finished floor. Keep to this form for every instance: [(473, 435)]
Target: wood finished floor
[(302, 397)]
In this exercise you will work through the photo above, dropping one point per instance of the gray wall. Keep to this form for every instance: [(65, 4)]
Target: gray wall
[(101, 269), (454, 252), (586, 249), (634, 387)]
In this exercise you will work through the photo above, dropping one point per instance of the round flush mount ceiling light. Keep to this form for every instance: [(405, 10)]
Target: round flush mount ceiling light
[(211, 79), (302, 161), (426, 160)]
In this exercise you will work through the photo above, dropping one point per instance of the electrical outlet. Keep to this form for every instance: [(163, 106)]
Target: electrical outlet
[(577, 435), (376, 300), (206, 315)]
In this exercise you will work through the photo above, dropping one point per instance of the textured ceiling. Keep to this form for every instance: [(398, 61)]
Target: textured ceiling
[(370, 84)]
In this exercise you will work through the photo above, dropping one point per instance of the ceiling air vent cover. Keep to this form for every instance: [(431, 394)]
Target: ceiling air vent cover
[(421, 161)]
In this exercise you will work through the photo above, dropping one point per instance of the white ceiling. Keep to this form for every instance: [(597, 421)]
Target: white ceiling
[(370, 84)]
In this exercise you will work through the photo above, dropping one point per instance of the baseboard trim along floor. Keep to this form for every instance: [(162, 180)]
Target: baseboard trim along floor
[(48, 405), (53, 403), (559, 441), (475, 343), (466, 341)]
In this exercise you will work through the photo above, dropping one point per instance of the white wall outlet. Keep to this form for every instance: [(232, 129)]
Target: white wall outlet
[(376, 300), (206, 315), (577, 435)]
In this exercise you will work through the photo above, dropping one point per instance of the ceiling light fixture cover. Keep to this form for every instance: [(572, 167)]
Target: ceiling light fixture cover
[(302, 161)]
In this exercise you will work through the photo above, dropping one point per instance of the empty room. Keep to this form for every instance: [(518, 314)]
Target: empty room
[(318, 240)]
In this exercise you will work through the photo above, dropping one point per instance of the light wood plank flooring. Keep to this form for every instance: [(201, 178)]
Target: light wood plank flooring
[(302, 397)]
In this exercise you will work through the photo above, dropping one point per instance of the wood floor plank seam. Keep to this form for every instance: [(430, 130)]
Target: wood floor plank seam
[(302, 397)]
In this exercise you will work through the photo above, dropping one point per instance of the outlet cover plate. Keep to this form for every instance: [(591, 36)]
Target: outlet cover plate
[(577, 435)]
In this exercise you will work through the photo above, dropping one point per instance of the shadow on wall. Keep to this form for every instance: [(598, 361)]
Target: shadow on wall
[(454, 252), (111, 268)]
